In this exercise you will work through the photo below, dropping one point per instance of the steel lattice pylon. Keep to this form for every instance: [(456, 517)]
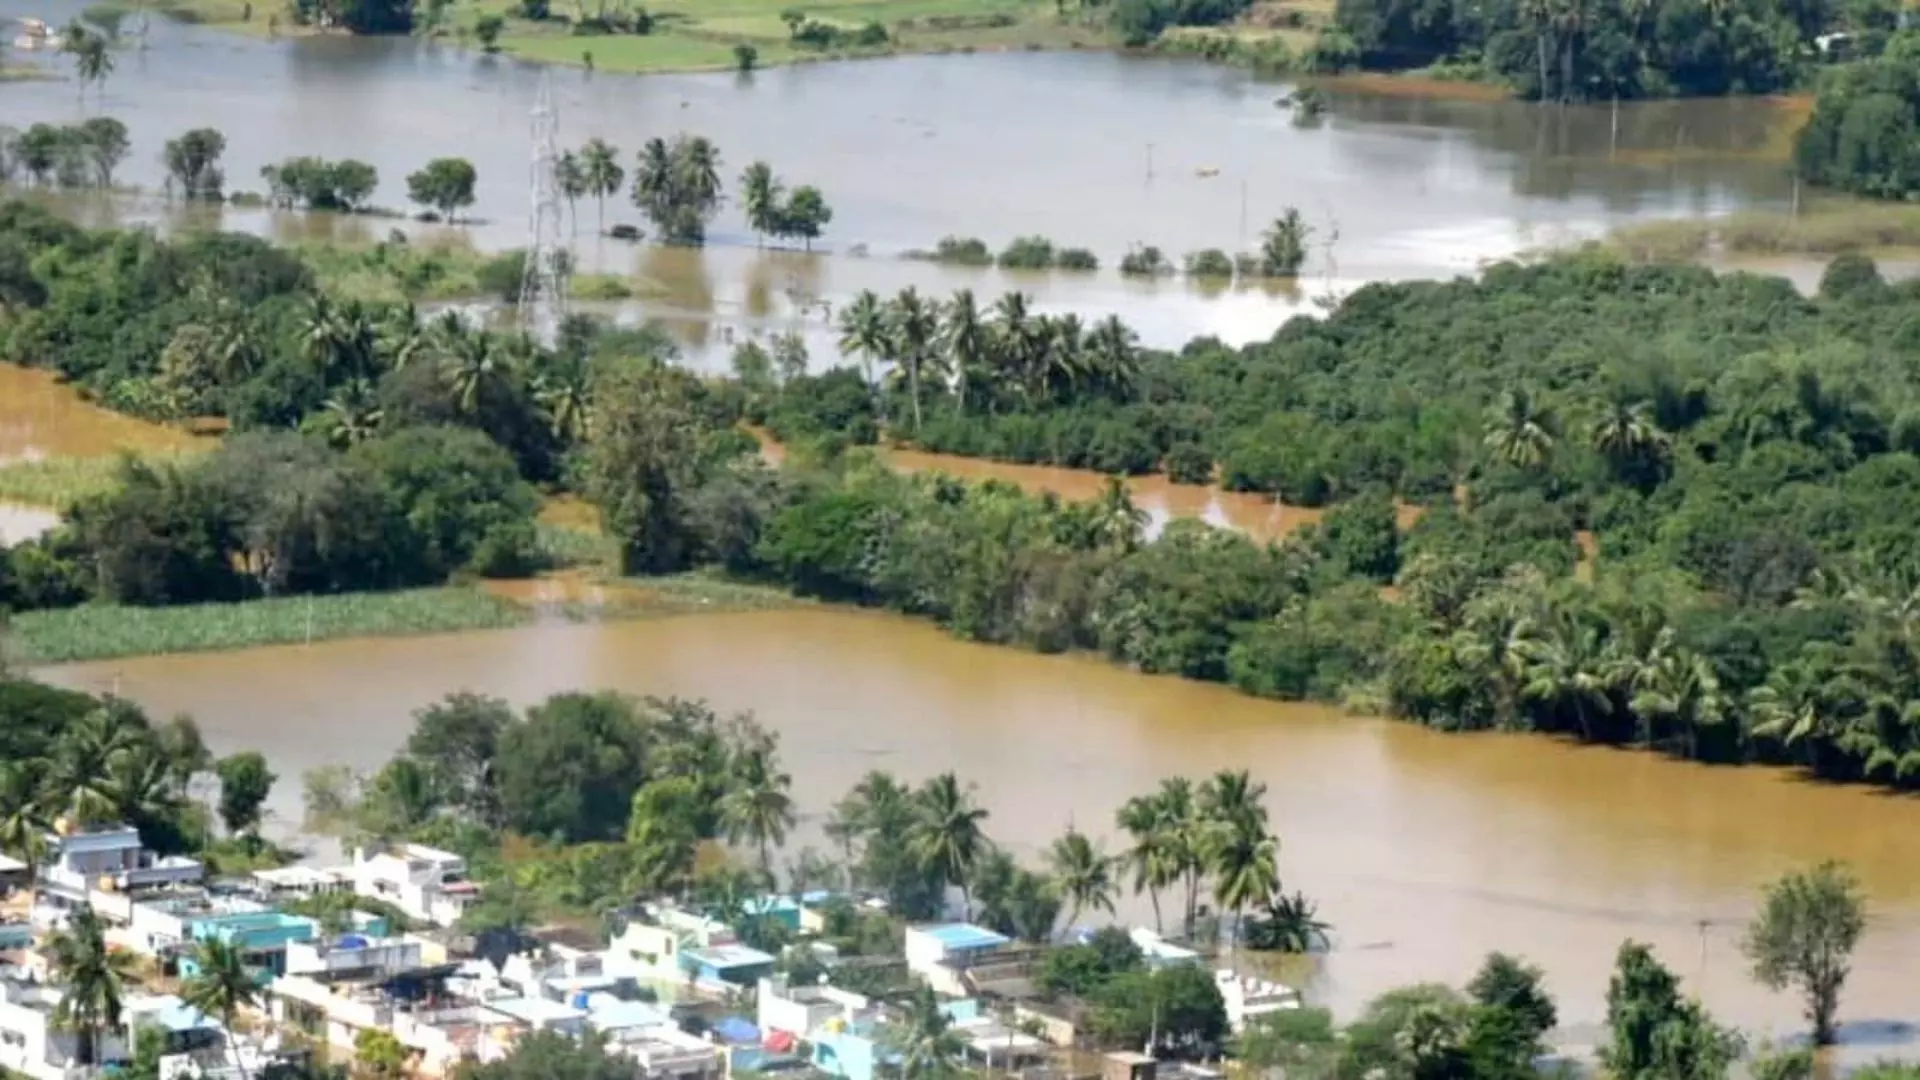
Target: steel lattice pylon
[(543, 282)]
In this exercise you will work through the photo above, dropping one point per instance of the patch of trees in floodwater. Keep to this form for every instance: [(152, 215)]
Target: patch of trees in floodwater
[(1742, 458)]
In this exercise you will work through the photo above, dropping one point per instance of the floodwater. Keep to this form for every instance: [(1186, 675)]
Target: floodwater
[(40, 418), (1425, 850), (1090, 149)]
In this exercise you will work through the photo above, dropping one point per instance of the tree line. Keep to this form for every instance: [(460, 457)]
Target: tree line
[(1599, 50), (1861, 136), (1739, 457)]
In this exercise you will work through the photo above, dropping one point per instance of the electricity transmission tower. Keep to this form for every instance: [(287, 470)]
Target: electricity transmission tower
[(543, 281)]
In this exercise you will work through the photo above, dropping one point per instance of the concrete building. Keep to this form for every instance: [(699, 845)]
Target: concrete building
[(426, 883), (1248, 998), (169, 925), (31, 1043), (105, 867), (940, 955), (725, 967)]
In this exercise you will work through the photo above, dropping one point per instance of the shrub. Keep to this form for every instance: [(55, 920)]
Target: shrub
[(1027, 253), (1076, 259), (1211, 263), (1145, 261)]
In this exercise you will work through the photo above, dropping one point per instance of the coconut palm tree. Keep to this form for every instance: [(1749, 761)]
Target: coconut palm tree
[(187, 753), (1684, 690), (353, 413), (1290, 925), (946, 834), (93, 978), (1627, 436), (1183, 826), (964, 339), (570, 177), (564, 391), (472, 363), (140, 783), (1520, 431), (1016, 339), (912, 325), (653, 178), (699, 162), (600, 168), (222, 987), (1567, 666), (1113, 355), (924, 1038), (23, 824), (91, 52), (758, 805), (1084, 872), (864, 331), (1243, 858), (81, 766), (1232, 797), (1118, 522), (1793, 709), (760, 192), (1153, 854)]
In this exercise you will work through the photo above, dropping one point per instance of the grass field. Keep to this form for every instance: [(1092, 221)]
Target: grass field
[(57, 483), (104, 631), (1829, 227)]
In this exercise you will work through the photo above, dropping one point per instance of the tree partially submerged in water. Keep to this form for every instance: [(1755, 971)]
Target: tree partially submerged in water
[(1804, 936), (678, 186)]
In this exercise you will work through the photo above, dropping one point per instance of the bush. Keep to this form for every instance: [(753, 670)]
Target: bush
[(1189, 463), (1076, 259), (1211, 263), (1027, 253), (1146, 261)]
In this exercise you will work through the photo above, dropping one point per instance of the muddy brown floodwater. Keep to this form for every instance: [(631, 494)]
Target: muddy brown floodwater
[(1424, 849)]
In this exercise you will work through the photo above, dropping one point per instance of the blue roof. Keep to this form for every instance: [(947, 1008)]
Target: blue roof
[(611, 1014), (737, 1029), (177, 1016), (965, 936)]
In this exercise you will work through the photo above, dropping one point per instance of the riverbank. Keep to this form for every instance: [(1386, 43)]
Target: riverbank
[(112, 631), (1823, 229)]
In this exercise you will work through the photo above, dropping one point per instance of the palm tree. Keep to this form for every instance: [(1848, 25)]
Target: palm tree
[(564, 392), (863, 331), (700, 169), (353, 415), (1183, 829), (1153, 856), (760, 191), (925, 1041), (140, 783), (472, 363), (222, 987), (1627, 435), (1243, 858), (23, 825), (80, 769), (758, 806), (1291, 925), (1233, 797), (1683, 689), (1520, 432), (187, 753), (1118, 523), (570, 176), (1793, 708), (92, 978), (92, 57), (653, 182), (964, 339), (1113, 354), (946, 834), (1085, 874), (600, 168), (1567, 667), (913, 324), (1015, 340)]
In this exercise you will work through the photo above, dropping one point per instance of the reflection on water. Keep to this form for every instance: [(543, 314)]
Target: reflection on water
[(1424, 850), (1092, 150)]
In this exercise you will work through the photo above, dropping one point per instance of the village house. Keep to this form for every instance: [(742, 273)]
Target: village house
[(940, 955), (107, 868), (427, 883)]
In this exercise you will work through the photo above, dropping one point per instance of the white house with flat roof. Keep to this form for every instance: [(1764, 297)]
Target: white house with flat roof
[(1248, 998), (941, 954), (426, 883), (31, 1043), (104, 866)]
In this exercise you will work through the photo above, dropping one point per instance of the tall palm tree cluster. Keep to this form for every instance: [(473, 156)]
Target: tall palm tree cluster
[(1183, 838), (986, 359), (106, 766), (1610, 664), (1522, 432), (677, 185)]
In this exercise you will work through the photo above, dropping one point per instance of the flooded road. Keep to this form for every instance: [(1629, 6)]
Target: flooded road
[(1091, 149), (1424, 850)]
